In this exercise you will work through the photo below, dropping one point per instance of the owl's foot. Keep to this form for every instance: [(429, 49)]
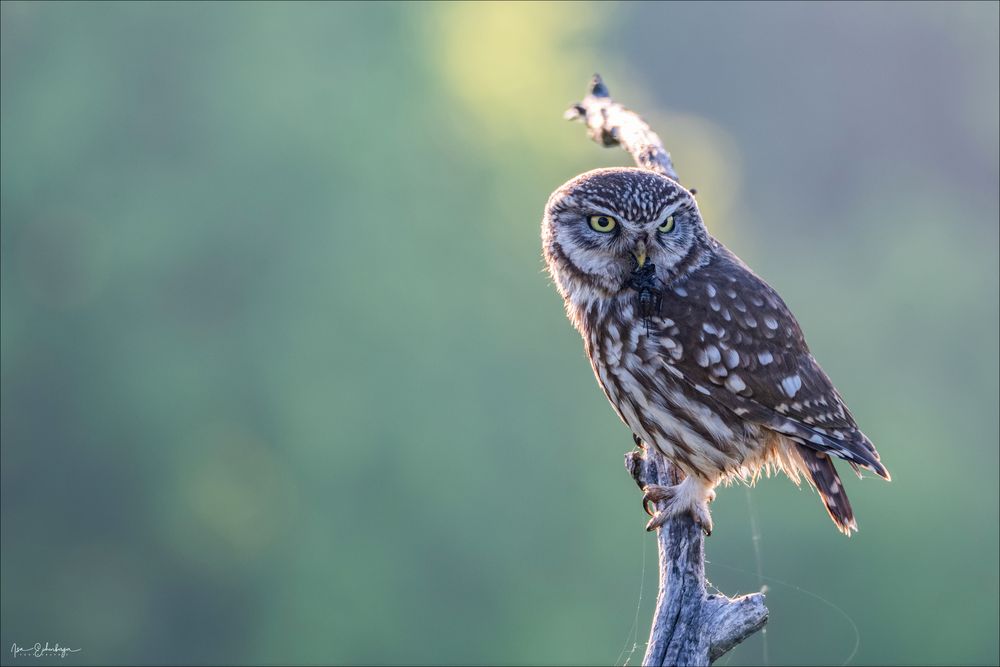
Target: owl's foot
[(691, 496)]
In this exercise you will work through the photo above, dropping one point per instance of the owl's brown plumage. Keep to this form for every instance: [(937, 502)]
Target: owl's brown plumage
[(699, 356)]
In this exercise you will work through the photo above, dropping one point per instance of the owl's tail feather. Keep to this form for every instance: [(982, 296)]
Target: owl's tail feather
[(824, 477)]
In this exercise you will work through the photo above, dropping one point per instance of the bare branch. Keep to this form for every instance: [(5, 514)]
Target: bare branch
[(611, 124), (690, 627)]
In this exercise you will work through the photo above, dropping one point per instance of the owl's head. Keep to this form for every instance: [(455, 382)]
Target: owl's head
[(603, 225)]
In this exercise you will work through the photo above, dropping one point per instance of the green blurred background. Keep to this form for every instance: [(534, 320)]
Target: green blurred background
[(283, 379)]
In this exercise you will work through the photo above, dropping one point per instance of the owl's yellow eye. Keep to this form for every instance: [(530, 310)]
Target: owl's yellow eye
[(602, 223), (667, 226)]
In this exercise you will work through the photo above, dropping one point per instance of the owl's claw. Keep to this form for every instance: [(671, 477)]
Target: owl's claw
[(688, 496), (654, 493)]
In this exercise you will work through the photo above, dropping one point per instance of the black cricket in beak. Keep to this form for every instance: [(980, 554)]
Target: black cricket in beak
[(644, 281)]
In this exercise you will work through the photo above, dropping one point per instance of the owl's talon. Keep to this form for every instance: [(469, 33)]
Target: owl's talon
[(691, 496), (658, 520), (654, 493), (702, 519), (701, 515)]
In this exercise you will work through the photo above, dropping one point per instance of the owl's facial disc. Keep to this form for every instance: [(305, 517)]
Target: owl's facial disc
[(602, 226)]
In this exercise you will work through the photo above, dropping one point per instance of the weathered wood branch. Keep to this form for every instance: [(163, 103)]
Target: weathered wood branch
[(690, 627), (611, 124)]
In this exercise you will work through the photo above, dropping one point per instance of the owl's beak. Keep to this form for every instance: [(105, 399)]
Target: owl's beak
[(640, 253)]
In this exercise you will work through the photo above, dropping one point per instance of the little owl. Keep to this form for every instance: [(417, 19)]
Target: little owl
[(697, 355)]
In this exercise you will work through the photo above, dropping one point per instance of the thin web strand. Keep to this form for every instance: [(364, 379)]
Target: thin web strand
[(817, 596), (755, 537), (634, 630)]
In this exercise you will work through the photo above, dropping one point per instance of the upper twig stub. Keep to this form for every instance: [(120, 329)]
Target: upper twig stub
[(609, 124)]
